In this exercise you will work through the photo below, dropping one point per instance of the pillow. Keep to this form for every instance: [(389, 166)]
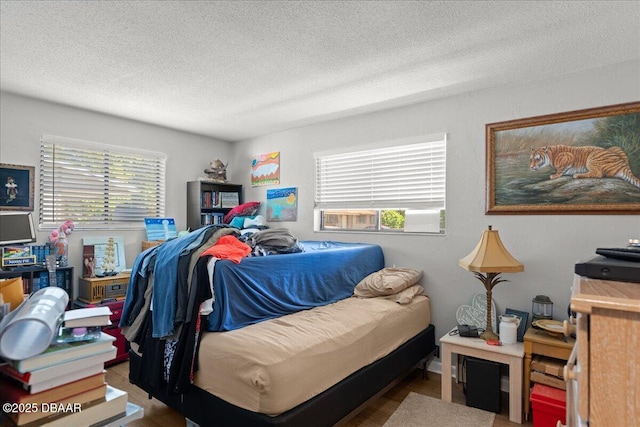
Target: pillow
[(245, 209), (253, 221), (406, 296), (387, 281), (237, 222)]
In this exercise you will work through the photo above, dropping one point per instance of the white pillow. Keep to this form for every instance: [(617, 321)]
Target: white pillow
[(252, 222)]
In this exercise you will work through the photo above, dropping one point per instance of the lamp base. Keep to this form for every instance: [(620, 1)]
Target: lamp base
[(489, 335)]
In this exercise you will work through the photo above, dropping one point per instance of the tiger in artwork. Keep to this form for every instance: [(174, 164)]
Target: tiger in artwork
[(584, 162)]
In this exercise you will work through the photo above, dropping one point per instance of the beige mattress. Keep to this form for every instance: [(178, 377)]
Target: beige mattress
[(273, 366)]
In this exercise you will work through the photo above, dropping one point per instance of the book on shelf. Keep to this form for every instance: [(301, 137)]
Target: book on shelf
[(229, 199), (209, 199), (58, 411), (211, 218), (13, 393), (59, 371), (42, 279), (218, 218), (64, 352), (112, 407), (85, 317)]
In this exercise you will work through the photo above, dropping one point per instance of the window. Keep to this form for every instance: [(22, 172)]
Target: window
[(398, 188), (99, 186)]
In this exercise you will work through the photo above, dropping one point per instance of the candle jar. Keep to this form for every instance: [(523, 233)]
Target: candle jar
[(541, 308)]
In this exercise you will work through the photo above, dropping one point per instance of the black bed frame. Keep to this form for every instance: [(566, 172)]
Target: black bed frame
[(326, 409)]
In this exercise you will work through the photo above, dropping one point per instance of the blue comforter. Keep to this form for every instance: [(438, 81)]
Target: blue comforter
[(261, 288)]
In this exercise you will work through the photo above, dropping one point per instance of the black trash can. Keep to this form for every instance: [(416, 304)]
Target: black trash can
[(483, 384)]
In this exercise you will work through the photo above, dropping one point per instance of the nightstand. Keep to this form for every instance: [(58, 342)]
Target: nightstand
[(539, 342), (477, 347)]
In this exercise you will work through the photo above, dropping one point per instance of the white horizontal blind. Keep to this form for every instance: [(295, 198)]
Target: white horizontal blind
[(94, 184), (401, 177)]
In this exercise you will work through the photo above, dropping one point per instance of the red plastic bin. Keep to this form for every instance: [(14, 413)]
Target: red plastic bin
[(548, 405)]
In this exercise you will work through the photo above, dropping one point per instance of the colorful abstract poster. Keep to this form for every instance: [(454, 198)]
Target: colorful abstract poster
[(265, 169), (282, 204)]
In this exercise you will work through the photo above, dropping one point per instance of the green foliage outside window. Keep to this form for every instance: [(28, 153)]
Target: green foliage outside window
[(393, 219)]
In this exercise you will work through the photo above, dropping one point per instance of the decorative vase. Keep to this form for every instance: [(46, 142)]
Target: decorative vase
[(62, 250)]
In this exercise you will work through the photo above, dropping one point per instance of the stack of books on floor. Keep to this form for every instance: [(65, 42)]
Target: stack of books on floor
[(65, 385)]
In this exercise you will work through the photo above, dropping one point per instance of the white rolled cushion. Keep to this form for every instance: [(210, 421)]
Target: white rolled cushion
[(388, 281)]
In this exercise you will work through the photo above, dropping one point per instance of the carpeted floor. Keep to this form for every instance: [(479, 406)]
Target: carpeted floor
[(417, 410)]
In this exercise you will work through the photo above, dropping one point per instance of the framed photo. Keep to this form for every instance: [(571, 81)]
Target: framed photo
[(579, 162), (160, 228), (524, 319), (16, 193), (282, 204), (103, 256)]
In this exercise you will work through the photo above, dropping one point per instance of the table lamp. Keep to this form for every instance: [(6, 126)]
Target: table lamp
[(487, 261)]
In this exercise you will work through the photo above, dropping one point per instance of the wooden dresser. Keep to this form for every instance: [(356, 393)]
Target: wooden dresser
[(604, 369)]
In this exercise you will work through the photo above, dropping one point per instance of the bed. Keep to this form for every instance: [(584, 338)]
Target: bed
[(285, 343)]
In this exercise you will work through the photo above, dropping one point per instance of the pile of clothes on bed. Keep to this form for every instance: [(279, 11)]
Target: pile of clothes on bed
[(170, 284)]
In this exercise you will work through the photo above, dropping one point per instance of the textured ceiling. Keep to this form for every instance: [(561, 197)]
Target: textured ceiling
[(234, 70)]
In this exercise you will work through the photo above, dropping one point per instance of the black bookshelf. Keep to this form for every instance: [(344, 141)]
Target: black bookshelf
[(36, 277), (209, 202)]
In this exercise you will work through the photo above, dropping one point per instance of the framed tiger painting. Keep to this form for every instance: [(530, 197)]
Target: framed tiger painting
[(579, 162)]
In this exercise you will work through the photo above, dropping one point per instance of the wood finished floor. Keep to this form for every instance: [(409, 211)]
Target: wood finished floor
[(156, 414)]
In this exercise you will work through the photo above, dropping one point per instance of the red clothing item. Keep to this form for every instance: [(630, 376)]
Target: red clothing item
[(228, 247)]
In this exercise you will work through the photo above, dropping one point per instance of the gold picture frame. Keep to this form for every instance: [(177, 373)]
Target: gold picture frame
[(16, 187), (578, 162)]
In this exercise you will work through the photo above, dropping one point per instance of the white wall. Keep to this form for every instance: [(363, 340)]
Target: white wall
[(548, 245), (24, 120)]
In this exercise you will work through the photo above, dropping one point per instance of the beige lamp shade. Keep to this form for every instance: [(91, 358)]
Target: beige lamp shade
[(490, 256)]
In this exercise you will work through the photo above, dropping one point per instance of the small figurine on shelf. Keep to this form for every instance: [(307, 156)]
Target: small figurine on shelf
[(90, 267), (217, 171)]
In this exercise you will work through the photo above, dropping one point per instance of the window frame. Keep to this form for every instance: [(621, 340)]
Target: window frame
[(432, 203), (92, 158)]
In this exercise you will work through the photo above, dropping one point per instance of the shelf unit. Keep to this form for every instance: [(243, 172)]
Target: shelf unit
[(603, 372), (209, 202), (538, 342), (35, 278)]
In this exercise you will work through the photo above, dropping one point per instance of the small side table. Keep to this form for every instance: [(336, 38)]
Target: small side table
[(511, 355), (540, 342)]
